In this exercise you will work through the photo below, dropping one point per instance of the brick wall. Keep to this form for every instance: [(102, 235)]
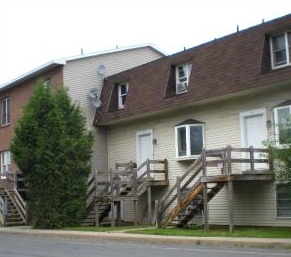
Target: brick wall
[(19, 96)]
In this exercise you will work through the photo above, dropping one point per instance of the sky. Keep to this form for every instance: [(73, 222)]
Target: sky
[(34, 32)]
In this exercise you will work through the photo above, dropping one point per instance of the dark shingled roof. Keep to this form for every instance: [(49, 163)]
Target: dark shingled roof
[(234, 63)]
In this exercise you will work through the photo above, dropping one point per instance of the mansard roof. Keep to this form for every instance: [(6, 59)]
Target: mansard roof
[(229, 65)]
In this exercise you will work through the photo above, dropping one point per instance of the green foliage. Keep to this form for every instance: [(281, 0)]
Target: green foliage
[(281, 154), (53, 150)]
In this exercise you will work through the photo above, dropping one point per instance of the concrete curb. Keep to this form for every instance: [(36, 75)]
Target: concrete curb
[(122, 237)]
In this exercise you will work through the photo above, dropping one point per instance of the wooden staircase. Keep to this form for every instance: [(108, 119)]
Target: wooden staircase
[(124, 183), (12, 208), (205, 178)]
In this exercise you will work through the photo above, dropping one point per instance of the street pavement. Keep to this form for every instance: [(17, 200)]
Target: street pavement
[(122, 236)]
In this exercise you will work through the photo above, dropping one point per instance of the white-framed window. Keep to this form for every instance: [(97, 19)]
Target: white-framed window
[(283, 200), (282, 115), (189, 140), (122, 93), (182, 77), (5, 163), (281, 50), (5, 111)]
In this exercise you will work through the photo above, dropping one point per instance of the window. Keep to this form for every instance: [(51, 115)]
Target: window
[(5, 163), (189, 140), (182, 77), (281, 50), (122, 93), (47, 82), (282, 124), (5, 112), (283, 197)]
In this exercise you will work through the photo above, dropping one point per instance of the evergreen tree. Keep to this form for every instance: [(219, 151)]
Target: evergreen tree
[(53, 150)]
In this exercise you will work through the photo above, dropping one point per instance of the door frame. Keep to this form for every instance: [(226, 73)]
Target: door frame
[(243, 115), (250, 113), (138, 135)]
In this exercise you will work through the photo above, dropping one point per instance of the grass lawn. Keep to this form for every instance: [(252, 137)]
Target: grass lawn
[(217, 231), (265, 232)]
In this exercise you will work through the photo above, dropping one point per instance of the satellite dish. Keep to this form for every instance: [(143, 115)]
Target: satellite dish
[(94, 95), (101, 70), (96, 103)]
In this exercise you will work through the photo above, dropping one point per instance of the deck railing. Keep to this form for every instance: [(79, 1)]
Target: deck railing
[(215, 162)]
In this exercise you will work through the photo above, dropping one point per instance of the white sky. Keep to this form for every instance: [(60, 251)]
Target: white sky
[(34, 32)]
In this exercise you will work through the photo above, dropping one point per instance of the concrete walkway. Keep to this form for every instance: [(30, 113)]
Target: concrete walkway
[(122, 236)]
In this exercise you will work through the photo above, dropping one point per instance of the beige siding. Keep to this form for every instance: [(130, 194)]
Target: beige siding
[(80, 76), (252, 206)]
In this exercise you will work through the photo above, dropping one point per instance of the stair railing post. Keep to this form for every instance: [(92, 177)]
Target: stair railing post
[(157, 214), (112, 198), (229, 186), (135, 197), (179, 196), (228, 154), (252, 161), (149, 189)]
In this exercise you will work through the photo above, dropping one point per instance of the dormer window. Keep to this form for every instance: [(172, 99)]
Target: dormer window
[(182, 77), (122, 93), (281, 50)]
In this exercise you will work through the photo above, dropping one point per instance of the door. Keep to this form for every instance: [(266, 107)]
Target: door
[(254, 131), (144, 147)]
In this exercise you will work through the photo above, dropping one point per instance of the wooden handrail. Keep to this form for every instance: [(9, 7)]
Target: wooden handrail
[(2, 211), (199, 166), (18, 202)]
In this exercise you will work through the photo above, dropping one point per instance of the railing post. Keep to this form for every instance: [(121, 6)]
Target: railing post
[(228, 154), (205, 208), (112, 198), (179, 196), (157, 214), (252, 161), (166, 170), (204, 161), (135, 200)]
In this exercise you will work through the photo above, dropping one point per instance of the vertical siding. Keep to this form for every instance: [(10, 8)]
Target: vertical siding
[(254, 203), (80, 76)]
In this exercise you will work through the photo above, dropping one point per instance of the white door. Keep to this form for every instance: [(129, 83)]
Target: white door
[(254, 131), (144, 147)]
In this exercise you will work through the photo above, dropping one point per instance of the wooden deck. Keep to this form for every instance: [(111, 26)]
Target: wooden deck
[(213, 170), (125, 182)]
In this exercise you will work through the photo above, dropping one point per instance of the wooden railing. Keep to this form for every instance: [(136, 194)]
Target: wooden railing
[(18, 202), (216, 162), (2, 210)]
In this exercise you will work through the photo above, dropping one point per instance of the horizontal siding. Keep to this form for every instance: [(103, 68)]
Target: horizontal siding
[(81, 75), (253, 206)]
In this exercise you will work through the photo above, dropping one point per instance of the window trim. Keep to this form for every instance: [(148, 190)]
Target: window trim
[(287, 51), (188, 155), (5, 120), (280, 217), (120, 104), (276, 123), (188, 68)]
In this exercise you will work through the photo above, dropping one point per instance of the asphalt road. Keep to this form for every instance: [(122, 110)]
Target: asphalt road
[(39, 246)]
